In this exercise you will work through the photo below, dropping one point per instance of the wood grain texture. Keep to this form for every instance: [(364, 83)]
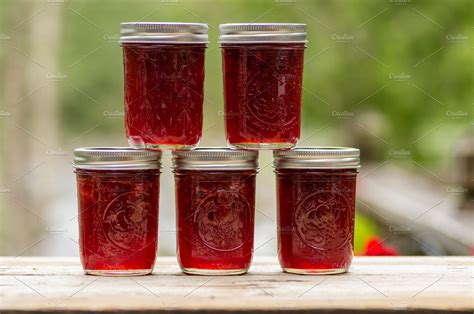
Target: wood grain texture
[(374, 284)]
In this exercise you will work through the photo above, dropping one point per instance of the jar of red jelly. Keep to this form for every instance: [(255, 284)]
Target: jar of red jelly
[(164, 79), (263, 74), (117, 191), (316, 202), (215, 207)]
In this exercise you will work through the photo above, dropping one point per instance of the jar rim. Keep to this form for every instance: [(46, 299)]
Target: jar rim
[(116, 158), (317, 158), (215, 158), (262, 33), (164, 32)]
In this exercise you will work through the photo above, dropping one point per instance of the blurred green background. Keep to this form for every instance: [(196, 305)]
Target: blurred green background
[(387, 76)]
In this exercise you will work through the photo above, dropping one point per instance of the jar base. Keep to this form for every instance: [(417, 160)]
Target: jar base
[(330, 271), (214, 272), (269, 146), (141, 145), (118, 273)]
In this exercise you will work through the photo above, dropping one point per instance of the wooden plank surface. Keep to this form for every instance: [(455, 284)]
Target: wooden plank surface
[(375, 284)]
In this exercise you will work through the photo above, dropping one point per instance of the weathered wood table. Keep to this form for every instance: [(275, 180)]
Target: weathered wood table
[(374, 285)]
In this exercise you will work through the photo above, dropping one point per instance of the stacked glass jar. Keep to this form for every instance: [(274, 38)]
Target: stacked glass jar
[(118, 188)]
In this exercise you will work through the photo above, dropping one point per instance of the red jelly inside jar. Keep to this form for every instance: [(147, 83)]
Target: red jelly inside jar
[(164, 83), (118, 220), (316, 210), (262, 90), (215, 220)]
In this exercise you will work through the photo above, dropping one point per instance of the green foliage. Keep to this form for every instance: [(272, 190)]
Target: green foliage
[(365, 228)]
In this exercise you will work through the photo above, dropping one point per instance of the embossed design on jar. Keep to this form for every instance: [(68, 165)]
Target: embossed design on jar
[(163, 94), (275, 115), (322, 220), (221, 218), (269, 105), (125, 220)]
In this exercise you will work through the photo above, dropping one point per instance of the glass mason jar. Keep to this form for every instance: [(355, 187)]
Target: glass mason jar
[(215, 208), (316, 203), (164, 80), (263, 74), (117, 191)]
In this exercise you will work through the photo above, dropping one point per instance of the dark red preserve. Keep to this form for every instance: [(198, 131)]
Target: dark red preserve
[(164, 80), (215, 208), (117, 191), (316, 204), (263, 73)]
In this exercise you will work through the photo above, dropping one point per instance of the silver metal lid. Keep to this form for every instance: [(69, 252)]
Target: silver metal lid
[(116, 158), (317, 158), (166, 33), (215, 159), (262, 33)]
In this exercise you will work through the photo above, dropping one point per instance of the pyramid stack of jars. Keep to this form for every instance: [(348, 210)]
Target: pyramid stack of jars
[(118, 187)]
